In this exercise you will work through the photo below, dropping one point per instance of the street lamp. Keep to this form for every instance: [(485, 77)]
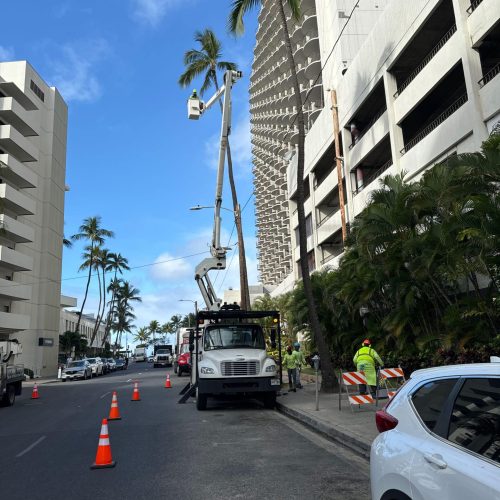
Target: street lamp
[(201, 207), (195, 302)]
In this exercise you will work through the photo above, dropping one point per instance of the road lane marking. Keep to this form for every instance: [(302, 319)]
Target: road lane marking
[(104, 395), (30, 447), (129, 380)]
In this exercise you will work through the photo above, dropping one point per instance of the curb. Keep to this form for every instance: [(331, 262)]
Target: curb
[(331, 432)]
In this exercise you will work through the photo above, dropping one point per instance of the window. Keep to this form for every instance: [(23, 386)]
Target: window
[(475, 419), (37, 91), (233, 337), (429, 400)]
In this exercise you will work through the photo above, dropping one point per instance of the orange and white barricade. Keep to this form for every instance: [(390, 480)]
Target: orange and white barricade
[(390, 379), (350, 382)]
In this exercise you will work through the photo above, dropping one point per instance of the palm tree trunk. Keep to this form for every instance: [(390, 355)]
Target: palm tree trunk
[(327, 371), (100, 314), (77, 329), (107, 328), (244, 291), (94, 331)]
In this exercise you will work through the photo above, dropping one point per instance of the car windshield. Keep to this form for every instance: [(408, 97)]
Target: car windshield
[(75, 364), (91, 361), (233, 337)]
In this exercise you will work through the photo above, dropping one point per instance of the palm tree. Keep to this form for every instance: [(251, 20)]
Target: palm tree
[(92, 231), (207, 60), (122, 315), (154, 327), (238, 9), (142, 336), (118, 264)]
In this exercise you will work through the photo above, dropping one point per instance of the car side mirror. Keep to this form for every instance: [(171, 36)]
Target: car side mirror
[(273, 338)]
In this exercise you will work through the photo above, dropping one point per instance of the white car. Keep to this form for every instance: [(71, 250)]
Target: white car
[(97, 366), (440, 437)]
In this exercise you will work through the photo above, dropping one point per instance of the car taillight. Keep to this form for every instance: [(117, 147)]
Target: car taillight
[(384, 421)]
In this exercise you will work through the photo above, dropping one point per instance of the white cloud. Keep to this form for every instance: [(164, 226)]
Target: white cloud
[(74, 71), (6, 53), (166, 268), (151, 12), (241, 148)]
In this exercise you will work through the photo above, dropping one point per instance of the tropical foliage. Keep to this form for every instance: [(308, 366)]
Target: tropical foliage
[(421, 273)]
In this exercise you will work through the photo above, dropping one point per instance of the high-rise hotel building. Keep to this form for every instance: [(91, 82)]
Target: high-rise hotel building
[(416, 81), (33, 123)]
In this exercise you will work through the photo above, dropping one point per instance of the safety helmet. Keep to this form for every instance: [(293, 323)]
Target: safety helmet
[(367, 342), (296, 344)]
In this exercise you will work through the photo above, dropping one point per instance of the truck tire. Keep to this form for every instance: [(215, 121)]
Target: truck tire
[(269, 400), (9, 397), (176, 368), (179, 372), (201, 401)]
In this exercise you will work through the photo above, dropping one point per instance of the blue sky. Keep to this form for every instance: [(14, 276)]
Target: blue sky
[(133, 157)]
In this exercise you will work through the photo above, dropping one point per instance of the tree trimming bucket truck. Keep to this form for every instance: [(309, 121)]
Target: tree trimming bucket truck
[(229, 353)]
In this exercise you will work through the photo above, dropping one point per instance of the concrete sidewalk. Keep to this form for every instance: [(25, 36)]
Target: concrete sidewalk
[(354, 428)]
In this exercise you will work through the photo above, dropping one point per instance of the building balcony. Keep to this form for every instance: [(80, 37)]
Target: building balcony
[(329, 226), (483, 15), (489, 94), (16, 231), (10, 322), (17, 173), (13, 113), (10, 89), (327, 185), (16, 201), (371, 136), (10, 290), (441, 62), (13, 142), (14, 260), (447, 130)]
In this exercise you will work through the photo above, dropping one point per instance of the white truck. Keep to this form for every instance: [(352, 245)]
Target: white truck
[(11, 374), (231, 357), (140, 354)]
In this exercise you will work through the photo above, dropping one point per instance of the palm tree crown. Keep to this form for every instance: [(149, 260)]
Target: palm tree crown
[(205, 60)]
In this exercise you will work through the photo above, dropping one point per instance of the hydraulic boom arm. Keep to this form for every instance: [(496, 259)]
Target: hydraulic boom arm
[(218, 259)]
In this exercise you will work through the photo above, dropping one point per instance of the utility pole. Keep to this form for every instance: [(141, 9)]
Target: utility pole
[(338, 161)]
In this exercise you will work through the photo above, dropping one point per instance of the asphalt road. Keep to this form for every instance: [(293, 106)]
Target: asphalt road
[(164, 450)]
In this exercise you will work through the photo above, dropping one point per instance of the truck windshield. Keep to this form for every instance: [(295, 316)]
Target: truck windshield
[(233, 337)]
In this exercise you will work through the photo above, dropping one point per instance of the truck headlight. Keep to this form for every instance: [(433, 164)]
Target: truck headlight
[(207, 371), (271, 368)]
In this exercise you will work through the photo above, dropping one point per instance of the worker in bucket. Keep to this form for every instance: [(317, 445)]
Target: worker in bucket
[(366, 360), (290, 363), (300, 360)]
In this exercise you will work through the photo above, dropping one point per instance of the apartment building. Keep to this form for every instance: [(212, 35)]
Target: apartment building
[(415, 82), (33, 123), (69, 320)]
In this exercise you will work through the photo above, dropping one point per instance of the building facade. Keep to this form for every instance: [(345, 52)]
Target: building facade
[(33, 123), (68, 322), (416, 82)]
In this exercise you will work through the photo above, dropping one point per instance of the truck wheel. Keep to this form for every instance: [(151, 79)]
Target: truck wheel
[(269, 400), (10, 395), (176, 369), (201, 401), (179, 372), (84, 375)]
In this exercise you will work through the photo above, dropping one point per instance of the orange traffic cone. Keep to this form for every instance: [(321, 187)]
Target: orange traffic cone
[(168, 384), (103, 458), (135, 395), (34, 394), (114, 412)]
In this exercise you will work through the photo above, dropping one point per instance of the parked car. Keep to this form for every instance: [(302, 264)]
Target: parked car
[(77, 369), (120, 364), (440, 436), (182, 363), (97, 366), (111, 364)]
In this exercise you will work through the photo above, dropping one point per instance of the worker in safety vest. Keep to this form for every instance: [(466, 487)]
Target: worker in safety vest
[(290, 363), (366, 360), (300, 360)]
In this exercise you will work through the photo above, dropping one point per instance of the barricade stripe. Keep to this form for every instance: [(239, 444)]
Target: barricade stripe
[(353, 378), (360, 400)]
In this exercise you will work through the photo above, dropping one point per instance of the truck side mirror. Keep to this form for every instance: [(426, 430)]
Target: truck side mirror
[(191, 341), (273, 338)]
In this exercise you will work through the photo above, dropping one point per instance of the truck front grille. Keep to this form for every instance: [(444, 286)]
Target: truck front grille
[(239, 368)]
